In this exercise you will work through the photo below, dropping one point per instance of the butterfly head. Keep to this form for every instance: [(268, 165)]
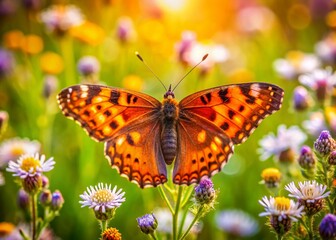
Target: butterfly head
[(169, 94)]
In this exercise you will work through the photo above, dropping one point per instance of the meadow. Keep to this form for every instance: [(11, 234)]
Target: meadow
[(47, 46)]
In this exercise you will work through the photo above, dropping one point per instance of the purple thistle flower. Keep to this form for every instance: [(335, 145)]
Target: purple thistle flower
[(205, 192), (306, 158), (147, 223), (88, 65), (6, 63), (56, 200), (327, 227), (301, 98), (324, 144)]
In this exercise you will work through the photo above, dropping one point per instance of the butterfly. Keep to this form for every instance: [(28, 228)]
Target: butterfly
[(143, 135)]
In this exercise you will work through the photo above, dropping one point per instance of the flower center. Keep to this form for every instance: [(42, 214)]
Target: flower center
[(30, 163), (17, 150), (295, 57), (282, 203), (309, 191), (102, 196)]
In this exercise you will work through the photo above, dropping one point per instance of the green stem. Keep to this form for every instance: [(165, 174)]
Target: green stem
[(310, 226), (153, 236), (34, 216), (176, 212), (279, 236), (103, 225), (196, 218), (164, 196)]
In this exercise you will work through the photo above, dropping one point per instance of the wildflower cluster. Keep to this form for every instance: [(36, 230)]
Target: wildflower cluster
[(28, 167), (312, 197)]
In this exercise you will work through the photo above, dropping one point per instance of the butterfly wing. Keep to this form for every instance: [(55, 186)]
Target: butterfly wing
[(224, 114), (124, 120), (202, 150), (137, 155), (104, 111)]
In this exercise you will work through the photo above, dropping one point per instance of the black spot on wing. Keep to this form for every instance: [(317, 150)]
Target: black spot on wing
[(223, 95)]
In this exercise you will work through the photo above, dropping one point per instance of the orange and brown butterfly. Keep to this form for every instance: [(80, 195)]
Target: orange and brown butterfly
[(142, 135)]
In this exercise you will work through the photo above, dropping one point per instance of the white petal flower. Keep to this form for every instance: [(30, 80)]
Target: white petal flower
[(319, 77), (12, 149), (60, 18), (281, 207), (30, 165), (102, 197), (296, 63), (237, 223), (308, 191), (290, 138)]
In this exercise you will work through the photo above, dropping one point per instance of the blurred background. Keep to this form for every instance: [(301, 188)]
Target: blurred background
[(49, 45)]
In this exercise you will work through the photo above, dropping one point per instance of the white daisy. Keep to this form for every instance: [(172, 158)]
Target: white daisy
[(102, 198), (310, 194), (12, 149), (282, 208), (296, 63), (60, 18), (320, 80), (287, 138), (237, 223), (326, 48), (308, 190), (30, 165)]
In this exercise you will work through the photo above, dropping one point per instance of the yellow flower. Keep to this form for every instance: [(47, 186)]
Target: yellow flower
[(331, 19), (12, 39), (51, 63), (31, 44), (271, 177), (6, 229), (88, 33), (133, 82)]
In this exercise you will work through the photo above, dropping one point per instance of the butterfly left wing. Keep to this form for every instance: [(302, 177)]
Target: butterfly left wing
[(129, 123), (212, 120), (137, 155)]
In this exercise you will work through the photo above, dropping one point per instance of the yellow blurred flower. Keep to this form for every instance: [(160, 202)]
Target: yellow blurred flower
[(299, 16), (6, 229), (31, 44), (331, 19), (133, 82), (241, 75), (12, 39), (51, 63), (89, 33), (152, 31)]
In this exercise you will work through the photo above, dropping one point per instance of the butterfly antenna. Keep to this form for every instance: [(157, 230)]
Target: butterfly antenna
[(203, 58), (142, 60)]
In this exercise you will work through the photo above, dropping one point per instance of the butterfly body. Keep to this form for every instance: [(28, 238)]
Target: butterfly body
[(142, 135), (169, 135)]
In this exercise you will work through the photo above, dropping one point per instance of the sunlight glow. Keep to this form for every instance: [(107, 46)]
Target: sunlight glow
[(174, 5)]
